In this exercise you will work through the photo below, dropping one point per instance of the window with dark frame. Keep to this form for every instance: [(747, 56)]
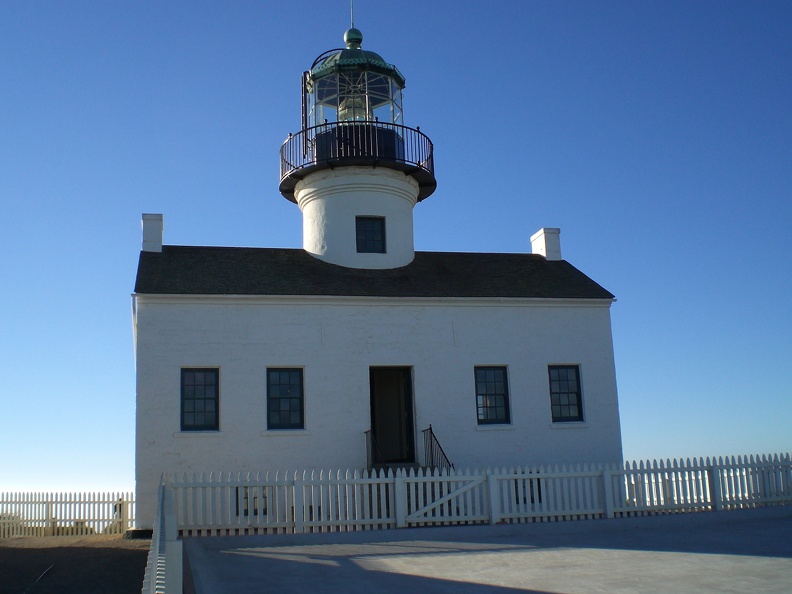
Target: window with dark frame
[(285, 398), (370, 234), (200, 399), (492, 396), (565, 398)]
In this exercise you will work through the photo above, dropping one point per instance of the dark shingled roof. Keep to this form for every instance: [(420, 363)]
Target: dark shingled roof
[(184, 270)]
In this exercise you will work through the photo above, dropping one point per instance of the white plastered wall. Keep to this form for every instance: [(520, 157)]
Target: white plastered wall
[(336, 341), (331, 199)]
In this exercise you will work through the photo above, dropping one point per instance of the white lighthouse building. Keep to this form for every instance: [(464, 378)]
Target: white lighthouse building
[(357, 351)]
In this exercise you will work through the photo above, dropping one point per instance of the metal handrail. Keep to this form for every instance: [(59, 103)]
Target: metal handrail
[(364, 141), (373, 454), (434, 455)]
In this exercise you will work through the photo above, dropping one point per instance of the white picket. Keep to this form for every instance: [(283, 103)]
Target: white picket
[(54, 514), (331, 500)]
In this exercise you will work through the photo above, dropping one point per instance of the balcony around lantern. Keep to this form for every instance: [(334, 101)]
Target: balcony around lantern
[(357, 143)]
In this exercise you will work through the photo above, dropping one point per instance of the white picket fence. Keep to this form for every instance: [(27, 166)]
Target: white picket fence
[(59, 514), (320, 501), (165, 563)]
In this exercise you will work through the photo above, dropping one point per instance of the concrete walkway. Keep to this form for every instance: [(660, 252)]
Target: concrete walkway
[(734, 551)]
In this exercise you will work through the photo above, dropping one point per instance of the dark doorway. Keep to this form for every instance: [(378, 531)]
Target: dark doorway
[(392, 415)]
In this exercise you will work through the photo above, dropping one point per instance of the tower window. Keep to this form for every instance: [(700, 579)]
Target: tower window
[(370, 232)]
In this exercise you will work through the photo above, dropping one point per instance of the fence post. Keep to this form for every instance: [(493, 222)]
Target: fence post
[(52, 522), (299, 507), (124, 516), (494, 500), (716, 495), (400, 493), (174, 555), (607, 490), (787, 489)]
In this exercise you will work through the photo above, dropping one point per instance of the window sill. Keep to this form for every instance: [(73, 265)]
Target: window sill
[(570, 425), (494, 427), (202, 433), (284, 432)]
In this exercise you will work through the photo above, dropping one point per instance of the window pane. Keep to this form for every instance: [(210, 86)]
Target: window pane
[(565, 396), (284, 398), (492, 395), (370, 234), (199, 393)]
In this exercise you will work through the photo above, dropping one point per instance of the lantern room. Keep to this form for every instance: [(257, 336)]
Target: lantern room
[(352, 116), (352, 85)]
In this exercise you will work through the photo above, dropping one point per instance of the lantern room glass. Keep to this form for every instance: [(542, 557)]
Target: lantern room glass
[(354, 96)]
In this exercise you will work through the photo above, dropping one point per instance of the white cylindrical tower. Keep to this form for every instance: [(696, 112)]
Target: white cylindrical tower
[(354, 169)]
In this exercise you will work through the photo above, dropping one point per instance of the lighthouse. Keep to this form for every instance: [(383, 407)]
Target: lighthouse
[(354, 169), (358, 352)]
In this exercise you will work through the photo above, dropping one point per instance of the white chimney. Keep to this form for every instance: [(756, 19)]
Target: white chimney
[(152, 232), (547, 242)]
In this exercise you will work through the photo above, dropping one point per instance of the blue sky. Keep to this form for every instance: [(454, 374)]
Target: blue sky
[(656, 135)]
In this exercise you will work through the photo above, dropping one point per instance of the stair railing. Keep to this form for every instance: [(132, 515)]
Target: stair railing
[(434, 455), (373, 453)]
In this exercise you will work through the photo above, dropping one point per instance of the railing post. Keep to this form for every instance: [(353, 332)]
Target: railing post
[(400, 493), (494, 499)]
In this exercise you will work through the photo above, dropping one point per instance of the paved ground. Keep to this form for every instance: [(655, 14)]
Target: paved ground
[(737, 551), (72, 565)]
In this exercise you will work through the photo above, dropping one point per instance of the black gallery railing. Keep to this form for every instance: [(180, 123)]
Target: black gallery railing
[(353, 143)]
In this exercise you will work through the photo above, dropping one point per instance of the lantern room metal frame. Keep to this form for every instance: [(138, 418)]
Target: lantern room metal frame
[(352, 116)]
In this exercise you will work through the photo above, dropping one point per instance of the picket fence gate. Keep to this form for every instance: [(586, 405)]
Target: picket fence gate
[(61, 514), (338, 500)]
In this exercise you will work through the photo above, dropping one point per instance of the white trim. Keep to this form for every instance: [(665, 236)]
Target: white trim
[(569, 425), (202, 433), (496, 427)]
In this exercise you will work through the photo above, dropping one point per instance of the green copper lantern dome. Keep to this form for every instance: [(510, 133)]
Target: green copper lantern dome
[(353, 58)]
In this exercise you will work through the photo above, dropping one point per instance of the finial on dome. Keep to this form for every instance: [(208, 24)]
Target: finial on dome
[(353, 38)]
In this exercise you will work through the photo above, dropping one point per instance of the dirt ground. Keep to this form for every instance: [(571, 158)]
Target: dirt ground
[(72, 565)]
